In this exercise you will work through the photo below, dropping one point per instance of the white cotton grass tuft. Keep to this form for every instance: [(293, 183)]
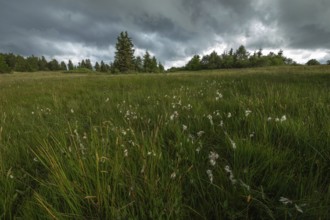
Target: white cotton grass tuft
[(247, 112), (174, 115), (283, 118), (219, 96), (231, 175), (285, 201), (213, 156), (173, 175), (210, 175), (200, 133), (298, 208), (210, 118)]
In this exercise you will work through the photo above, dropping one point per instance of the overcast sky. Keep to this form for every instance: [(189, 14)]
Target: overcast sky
[(172, 30)]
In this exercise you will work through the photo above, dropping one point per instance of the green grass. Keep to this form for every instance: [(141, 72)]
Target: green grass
[(84, 146)]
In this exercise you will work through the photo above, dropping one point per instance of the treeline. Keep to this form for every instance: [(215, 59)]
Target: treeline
[(240, 58), (11, 62), (124, 62)]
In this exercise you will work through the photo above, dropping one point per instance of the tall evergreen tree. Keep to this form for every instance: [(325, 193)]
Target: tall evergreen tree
[(70, 65), (88, 64), (97, 67), (147, 62), (103, 67), (124, 55), (138, 64), (63, 66), (194, 63), (154, 65), (42, 64)]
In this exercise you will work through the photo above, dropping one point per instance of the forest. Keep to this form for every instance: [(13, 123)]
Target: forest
[(125, 61)]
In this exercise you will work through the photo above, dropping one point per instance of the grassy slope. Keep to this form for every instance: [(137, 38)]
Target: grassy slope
[(96, 146)]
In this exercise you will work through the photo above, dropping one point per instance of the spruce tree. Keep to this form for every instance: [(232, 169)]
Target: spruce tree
[(70, 65), (97, 67), (147, 62), (124, 55), (63, 66)]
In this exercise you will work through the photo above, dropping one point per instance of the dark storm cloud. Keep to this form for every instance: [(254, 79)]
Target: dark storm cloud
[(172, 30), (305, 23)]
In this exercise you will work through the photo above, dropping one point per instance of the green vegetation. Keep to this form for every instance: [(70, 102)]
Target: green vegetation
[(312, 62), (124, 62), (241, 58), (230, 144)]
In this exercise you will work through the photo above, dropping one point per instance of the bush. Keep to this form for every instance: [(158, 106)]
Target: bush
[(312, 62)]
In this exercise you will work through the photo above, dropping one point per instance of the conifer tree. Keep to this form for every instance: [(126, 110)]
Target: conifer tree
[(70, 65), (88, 64), (161, 67), (138, 64), (124, 55), (63, 66), (97, 67), (147, 62)]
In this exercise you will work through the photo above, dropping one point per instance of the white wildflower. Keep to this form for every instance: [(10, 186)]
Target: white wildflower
[(233, 144), (200, 133), (32, 113), (231, 175), (252, 135), (285, 201), (173, 175), (210, 175), (229, 115), (184, 127), (35, 159), (269, 118), (174, 115), (277, 119), (213, 156), (210, 118), (219, 96), (298, 208), (72, 111), (126, 153), (107, 100), (221, 123), (283, 118), (247, 112), (149, 153)]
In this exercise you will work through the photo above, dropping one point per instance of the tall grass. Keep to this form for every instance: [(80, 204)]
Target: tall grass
[(235, 144)]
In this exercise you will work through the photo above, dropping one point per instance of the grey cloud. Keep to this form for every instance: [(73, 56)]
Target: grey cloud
[(172, 30)]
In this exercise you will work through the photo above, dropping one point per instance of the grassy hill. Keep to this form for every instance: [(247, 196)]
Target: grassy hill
[(230, 144)]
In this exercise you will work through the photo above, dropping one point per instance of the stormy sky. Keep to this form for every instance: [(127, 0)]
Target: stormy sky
[(172, 30)]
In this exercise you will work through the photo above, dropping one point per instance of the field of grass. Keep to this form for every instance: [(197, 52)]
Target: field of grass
[(235, 144)]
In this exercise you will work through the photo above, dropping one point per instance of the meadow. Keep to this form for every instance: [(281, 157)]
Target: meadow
[(229, 144)]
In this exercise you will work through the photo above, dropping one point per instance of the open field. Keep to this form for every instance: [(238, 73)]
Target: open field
[(231, 144)]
